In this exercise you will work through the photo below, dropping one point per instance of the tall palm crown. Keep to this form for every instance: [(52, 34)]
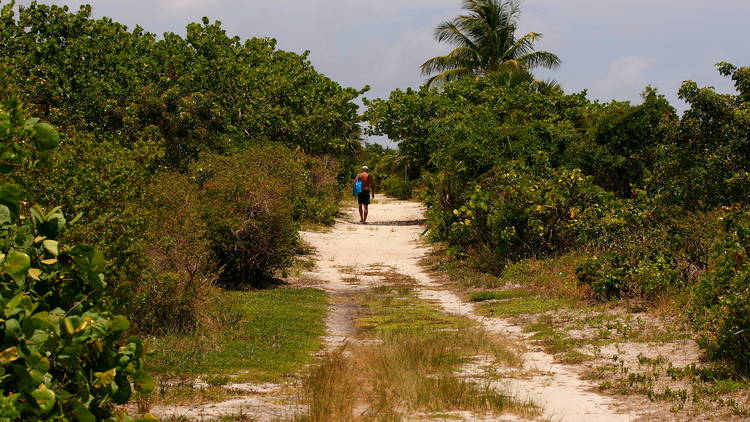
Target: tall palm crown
[(485, 40)]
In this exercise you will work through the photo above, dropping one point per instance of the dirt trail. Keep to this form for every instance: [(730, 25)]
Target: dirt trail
[(392, 238), (391, 241)]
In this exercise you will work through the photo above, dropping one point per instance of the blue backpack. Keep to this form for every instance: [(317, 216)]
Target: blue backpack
[(357, 187)]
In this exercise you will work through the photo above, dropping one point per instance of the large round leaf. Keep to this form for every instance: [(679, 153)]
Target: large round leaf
[(51, 247), (45, 398), (82, 413), (8, 162), (124, 390), (46, 137), (5, 217), (16, 265), (53, 226), (10, 196)]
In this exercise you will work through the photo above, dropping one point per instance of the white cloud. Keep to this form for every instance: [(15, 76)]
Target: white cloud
[(625, 75), (383, 42)]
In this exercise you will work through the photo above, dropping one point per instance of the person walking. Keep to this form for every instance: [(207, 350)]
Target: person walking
[(364, 187)]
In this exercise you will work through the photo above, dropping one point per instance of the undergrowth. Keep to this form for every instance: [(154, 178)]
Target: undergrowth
[(566, 319)]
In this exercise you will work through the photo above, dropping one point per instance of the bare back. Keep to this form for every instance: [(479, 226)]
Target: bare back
[(368, 183)]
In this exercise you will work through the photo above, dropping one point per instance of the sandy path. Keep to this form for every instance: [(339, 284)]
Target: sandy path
[(392, 238)]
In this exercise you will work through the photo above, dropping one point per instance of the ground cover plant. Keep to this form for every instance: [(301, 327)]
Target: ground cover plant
[(628, 347), (246, 337)]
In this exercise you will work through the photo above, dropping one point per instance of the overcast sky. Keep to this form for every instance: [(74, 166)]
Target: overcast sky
[(613, 48)]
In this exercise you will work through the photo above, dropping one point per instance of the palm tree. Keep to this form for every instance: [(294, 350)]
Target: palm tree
[(485, 40)]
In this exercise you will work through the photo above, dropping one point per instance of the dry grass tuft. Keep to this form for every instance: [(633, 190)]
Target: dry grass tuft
[(332, 389), (411, 366)]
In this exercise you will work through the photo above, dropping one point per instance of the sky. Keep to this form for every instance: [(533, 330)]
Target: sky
[(612, 48)]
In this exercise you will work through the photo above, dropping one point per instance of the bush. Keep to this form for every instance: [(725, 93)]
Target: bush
[(248, 205), (614, 276), (322, 193), (105, 182), (512, 214), (397, 187), (180, 268), (62, 355), (658, 250), (721, 300)]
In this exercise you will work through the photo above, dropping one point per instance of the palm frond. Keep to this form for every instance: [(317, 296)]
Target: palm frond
[(435, 64), (510, 79), (523, 45), (449, 76), (450, 32), (548, 86), (459, 57), (510, 66), (543, 59), (486, 43)]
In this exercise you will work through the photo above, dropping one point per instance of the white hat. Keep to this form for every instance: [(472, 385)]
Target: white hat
[(365, 168)]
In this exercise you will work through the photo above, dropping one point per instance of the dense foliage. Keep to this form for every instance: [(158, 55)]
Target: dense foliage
[(139, 111), (253, 232), (62, 355), (517, 170), (722, 297)]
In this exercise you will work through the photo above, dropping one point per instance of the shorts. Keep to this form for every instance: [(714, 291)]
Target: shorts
[(364, 197)]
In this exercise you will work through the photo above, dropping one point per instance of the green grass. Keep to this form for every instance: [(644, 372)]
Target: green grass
[(260, 334), (396, 310), (525, 305), (500, 295)]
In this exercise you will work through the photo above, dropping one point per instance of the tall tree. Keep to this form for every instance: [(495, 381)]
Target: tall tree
[(485, 40)]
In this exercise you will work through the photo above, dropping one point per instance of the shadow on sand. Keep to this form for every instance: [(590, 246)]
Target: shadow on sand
[(393, 223)]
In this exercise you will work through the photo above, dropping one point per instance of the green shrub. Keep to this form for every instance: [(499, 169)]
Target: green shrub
[(621, 143), (512, 214), (397, 187), (705, 164), (62, 355), (180, 268), (614, 276), (322, 192), (658, 250), (721, 300), (248, 205), (105, 182)]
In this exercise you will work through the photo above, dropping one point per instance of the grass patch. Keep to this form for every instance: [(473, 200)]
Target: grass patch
[(262, 334), (312, 227), (301, 263), (396, 310), (554, 276), (500, 295), (186, 394), (525, 305)]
